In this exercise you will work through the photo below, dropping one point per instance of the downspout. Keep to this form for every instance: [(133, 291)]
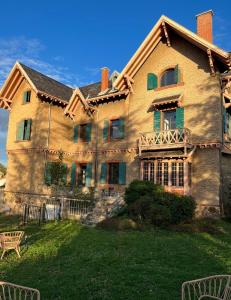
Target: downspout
[(96, 150), (48, 133)]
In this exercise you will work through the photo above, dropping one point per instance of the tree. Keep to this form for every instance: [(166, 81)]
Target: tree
[(2, 170)]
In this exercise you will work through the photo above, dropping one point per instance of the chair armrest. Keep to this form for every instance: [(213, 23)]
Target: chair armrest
[(210, 297)]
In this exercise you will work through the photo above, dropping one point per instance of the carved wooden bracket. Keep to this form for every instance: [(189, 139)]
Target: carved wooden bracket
[(211, 61), (129, 81), (166, 34)]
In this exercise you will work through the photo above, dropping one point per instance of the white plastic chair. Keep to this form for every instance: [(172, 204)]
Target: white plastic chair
[(10, 291), (213, 287)]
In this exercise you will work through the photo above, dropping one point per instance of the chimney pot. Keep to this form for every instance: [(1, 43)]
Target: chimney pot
[(105, 79), (205, 25)]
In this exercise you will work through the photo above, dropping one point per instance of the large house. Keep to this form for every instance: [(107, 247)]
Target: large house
[(165, 118)]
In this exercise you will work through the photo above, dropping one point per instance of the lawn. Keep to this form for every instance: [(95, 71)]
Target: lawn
[(68, 261)]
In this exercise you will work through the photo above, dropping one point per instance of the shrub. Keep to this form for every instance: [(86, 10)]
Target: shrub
[(118, 224), (148, 203), (182, 208), (138, 189)]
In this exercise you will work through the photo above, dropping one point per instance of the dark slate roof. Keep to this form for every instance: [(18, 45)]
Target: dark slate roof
[(167, 153), (93, 90), (48, 85)]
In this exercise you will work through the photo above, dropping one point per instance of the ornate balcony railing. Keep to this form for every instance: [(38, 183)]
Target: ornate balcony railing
[(164, 139)]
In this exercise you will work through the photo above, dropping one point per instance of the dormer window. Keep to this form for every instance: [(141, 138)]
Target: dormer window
[(26, 97), (170, 76)]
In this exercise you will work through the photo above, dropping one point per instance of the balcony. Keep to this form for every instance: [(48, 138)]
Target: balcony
[(164, 139)]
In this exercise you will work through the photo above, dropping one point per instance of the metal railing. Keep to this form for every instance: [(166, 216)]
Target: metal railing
[(164, 138)]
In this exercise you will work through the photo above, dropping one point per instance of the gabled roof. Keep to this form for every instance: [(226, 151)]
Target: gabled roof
[(154, 37), (48, 85)]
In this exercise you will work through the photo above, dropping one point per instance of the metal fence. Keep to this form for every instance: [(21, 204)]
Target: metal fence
[(55, 209)]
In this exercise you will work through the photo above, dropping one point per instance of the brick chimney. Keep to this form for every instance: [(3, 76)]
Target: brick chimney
[(205, 25), (105, 79)]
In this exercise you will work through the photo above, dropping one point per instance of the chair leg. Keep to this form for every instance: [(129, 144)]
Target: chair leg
[(3, 253), (17, 251)]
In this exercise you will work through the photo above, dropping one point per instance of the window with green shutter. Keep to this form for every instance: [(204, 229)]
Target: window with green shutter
[(76, 134), (73, 174), (23, 130), (180, 117), (47, 173), (88, 174), (122, 173), (88, 132), (170, 76), (152, 81), (117, 129), (156, 121), (26, 97), (106, 130), (103, 173)]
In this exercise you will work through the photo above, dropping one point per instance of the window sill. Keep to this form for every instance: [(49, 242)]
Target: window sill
[(168, 86), (22, 141)]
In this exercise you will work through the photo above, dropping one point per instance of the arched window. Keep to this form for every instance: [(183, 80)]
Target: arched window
[(169, 77)]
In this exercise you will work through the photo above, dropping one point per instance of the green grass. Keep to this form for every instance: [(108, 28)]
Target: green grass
[(68, 261)]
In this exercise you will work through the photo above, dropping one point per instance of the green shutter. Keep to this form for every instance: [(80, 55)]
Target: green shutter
[(76, 133), (20, 131), (88, 174), (73, 174), (64, 179), (47, 173), (103, 174), (152, 81), (121, 128), (177, 74), (106, 130), (156, 120), (88, 132), (122, 173), (180, 117), (28, 129), (25, 97)]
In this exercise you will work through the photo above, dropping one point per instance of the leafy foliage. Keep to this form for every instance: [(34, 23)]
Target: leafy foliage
[(2, 169), (148, 202)]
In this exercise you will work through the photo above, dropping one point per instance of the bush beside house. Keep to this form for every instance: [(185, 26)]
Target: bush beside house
[(149, 203)]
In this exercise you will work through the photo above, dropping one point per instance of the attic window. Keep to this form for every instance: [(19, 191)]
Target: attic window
[(170, 76), (26, 97)]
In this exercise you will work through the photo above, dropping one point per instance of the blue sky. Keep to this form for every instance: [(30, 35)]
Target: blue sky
[(72, 40)]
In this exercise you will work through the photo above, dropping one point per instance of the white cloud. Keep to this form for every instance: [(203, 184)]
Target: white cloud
[(28, 51)]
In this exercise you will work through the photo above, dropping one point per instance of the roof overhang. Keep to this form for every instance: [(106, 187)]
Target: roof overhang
[(166, 102), (12, 83), (159, 31)]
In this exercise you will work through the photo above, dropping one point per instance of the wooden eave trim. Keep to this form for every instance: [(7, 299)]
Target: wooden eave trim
[(189, 35), (108, 96), (53, 98)]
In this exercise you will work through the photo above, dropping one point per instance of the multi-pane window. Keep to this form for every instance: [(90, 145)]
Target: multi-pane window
[(23, 131), (113, 173), (159, 173), (165, 172), (26, 97), (146, 171), (181, 174), (169, 77), (83, 132), (174, 174), (115, 129), (152, 171)]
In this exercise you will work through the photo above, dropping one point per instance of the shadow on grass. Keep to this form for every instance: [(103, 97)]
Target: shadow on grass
[(68, 261)]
